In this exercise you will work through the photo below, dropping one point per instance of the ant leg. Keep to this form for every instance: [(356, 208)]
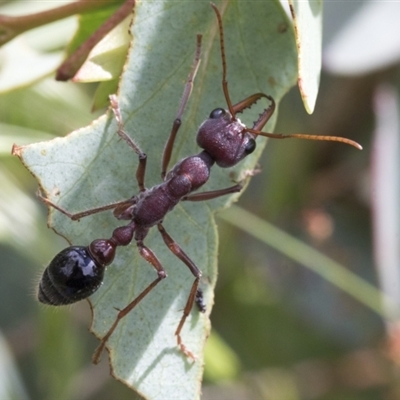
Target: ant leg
[(194, 295), (223, 59), (141, 170), (177, 123), (212, 194), (77, 216), (151, 258)]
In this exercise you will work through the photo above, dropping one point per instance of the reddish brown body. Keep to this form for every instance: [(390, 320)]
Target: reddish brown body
[(77, 271)]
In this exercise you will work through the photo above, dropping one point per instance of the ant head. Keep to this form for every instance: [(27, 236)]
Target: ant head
[(225, 138), (222, 135)]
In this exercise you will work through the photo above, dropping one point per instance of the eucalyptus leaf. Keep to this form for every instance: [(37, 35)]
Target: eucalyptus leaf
[(307, 19), (88, 23), (92, 167), (106, 59), (21, 65), (33, 55)]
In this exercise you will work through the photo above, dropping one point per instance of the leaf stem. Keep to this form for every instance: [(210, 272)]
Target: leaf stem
[(10, 26), (72, 64)]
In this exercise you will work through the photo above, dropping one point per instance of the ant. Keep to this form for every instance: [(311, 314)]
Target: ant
[(77, 271)]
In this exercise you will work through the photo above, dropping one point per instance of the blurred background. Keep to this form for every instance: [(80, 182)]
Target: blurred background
[(280, 331)]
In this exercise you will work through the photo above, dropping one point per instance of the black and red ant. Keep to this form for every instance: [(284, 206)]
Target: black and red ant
[(77, 271)]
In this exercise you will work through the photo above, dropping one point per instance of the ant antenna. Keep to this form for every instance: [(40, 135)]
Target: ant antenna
[(307, 137), (266, 115), (224, 81)]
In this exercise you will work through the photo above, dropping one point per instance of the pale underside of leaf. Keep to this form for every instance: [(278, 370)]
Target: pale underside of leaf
[(307, 19), (27, 58), (92, 167)]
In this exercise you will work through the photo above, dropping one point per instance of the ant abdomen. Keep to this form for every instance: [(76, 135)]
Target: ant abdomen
[(71, 276)]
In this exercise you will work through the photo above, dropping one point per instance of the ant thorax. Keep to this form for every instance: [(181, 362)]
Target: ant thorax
[(186, 176)]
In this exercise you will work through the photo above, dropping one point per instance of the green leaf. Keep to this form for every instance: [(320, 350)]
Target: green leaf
[(92, 167), (33, 55), (307, 18), (107, 58), (88, 23)]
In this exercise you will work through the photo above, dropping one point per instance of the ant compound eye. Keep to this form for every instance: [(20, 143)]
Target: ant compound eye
[(71, 276), (217, 113), (250, 146)]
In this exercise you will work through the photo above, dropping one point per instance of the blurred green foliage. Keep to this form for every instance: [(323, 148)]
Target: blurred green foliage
[(281, 332)]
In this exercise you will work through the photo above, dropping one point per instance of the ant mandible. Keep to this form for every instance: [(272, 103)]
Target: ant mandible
[(77, 271)]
